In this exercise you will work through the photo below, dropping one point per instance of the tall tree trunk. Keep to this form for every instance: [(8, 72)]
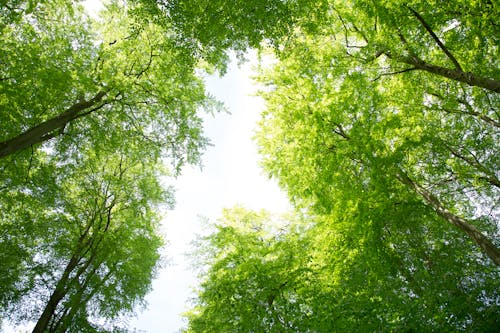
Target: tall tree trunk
[(80, 299), (57, 295), (62, 285), (49, 128), (479, 238)]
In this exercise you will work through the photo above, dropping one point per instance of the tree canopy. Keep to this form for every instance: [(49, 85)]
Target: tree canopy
[(371, 124), (76, 80), (91, 110), (381, 123), (94, 249), (264, 273)]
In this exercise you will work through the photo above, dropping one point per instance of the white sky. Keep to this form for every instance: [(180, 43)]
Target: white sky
[(230, 176)]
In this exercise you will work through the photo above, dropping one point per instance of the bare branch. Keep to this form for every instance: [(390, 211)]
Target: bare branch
[(340, 131), (464, 225)]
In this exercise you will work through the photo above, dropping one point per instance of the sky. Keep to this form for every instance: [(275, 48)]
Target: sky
[(231, 175)]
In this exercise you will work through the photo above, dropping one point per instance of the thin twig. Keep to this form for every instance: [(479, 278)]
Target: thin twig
[(394, 73)]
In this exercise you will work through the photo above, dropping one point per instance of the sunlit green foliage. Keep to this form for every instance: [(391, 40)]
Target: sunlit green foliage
[(382, 126), (209, 28), (261, 273), (254, 264), (89, 112), (338, 122), (102, 84)]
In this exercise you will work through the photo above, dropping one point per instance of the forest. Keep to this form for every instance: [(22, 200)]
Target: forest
[(381, 124)]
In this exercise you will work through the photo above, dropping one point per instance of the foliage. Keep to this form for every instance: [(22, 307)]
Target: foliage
[(381, 124), (210, 28), (252, 271), (72, 83), (353, 124), (89, 111), (94, 247), (383, 128), (325, 273)]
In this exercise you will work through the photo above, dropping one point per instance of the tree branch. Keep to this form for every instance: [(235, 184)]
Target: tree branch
[(450, 73), (477, 236), (436, 38), (49, 128), (394, 73)]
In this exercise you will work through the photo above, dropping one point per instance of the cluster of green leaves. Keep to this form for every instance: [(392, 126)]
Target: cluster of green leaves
[(350, 119), (365, 268), (209, 29), (253, 263), (134, 81), (382, 126)]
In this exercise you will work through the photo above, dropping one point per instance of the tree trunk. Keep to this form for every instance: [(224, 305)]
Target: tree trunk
[(83, 247), (479, 238), (57, 295), (454, 74), (49, 128), (79, 300)]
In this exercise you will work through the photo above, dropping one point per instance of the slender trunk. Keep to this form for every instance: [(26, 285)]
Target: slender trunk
[(80, 299), (49, 128), (57, 295), (62, 285), (454, 74), (91, 245), (479, 238)]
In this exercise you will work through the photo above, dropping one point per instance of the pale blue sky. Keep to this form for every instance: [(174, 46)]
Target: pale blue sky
[(231, 175)]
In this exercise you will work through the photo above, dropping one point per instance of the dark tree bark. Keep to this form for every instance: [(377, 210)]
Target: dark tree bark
[(56, 297), (52, 127), (479, 238), (453, 74)]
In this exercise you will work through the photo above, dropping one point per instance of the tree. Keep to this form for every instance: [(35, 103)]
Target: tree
[(89, 110), (76, 80), (351, 118), (261, 273), (423, 36), (95, 249), (253, 265)]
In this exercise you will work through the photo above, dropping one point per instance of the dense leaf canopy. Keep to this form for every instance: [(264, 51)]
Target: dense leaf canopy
[(381, 123), (262, 273), (90, 111), (382, 126), (352, 119)]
